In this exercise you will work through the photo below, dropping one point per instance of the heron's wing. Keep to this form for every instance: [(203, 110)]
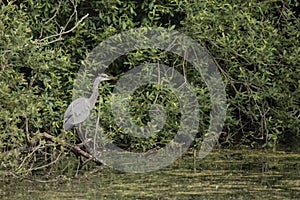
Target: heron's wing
[(76, 113)]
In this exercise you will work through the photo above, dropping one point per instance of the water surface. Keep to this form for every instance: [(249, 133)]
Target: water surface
[(223, 174)]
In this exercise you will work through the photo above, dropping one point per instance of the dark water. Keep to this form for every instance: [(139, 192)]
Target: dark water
[(223, 174)]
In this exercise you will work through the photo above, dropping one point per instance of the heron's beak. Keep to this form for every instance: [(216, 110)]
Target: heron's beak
[(111, 78)]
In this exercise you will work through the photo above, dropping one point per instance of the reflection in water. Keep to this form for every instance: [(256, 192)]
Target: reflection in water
[(221, 175)]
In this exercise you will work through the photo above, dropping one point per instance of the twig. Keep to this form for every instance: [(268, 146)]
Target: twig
[(59, 35), (40, 181)]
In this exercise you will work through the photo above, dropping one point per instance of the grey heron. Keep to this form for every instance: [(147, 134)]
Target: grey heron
[(80, 108)]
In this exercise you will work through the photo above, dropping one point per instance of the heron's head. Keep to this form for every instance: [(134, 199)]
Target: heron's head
[(105, 77)]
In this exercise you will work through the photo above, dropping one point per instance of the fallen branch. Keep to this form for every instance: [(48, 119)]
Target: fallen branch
[(72, 147)]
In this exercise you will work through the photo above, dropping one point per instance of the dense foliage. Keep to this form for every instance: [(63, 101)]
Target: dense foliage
[(43, 43)]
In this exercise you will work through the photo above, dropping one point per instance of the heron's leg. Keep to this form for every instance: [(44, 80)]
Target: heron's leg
[(74, 134), (86, 135), (80, 161), (79, 129)]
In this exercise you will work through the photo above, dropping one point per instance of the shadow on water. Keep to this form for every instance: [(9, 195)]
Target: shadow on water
[(223, 174)]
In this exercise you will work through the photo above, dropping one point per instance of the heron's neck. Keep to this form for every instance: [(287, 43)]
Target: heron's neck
[(94, 96)]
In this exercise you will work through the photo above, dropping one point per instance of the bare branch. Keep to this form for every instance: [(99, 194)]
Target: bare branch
[(58, 36)]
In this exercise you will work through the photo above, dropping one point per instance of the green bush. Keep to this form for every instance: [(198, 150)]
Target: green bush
[(34, 81), (256, 45)]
